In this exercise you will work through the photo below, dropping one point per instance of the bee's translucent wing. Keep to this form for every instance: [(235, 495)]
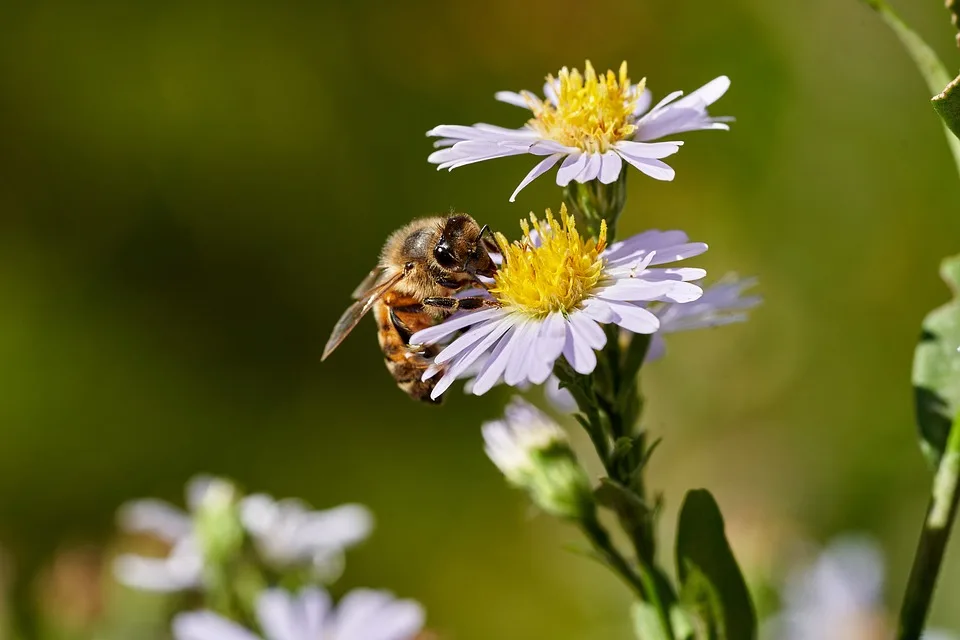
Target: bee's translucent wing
[(357, 310), (368, 284)]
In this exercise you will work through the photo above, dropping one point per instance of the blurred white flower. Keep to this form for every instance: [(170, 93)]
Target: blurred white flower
[(183, 566), (591, 122), (288, 533), (839, 596), (362, 614), (285, 533)]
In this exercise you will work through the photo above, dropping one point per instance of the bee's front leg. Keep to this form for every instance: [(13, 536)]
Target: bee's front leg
[(460, 304)]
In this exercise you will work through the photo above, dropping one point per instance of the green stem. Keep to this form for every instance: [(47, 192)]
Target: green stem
[(933, 540), (643, 583)]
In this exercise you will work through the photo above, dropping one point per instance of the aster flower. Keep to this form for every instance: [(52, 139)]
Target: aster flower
[(285, 533), (839, 596), (362, 614), (534, 454), (554, 290), (589, 123)]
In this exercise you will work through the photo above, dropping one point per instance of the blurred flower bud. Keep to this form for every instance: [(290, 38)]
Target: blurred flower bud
[(217, 521), (533, 453)]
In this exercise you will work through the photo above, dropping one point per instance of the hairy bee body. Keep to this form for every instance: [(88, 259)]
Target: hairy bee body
[(421, 266)]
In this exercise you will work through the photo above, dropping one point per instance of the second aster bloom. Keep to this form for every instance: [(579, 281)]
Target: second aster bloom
[(590, 123), (554, 290), (363, 614)]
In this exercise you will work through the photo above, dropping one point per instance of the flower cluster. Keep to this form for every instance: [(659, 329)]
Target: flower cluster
[(237, 550)]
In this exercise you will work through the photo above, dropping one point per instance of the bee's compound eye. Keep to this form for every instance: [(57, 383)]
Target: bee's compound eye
[(444, 256)]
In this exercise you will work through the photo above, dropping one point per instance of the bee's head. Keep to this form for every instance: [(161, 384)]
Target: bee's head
[(460, 247)]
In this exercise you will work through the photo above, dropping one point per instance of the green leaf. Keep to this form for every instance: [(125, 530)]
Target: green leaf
[(617, 497), (932, 70), (708, 571), (947, 106), (936, 367)]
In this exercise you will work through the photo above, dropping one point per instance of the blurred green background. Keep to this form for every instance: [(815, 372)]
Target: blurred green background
[(189, 191)]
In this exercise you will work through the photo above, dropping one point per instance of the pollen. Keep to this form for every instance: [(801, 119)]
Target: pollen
[(592, 113), (553, 275)]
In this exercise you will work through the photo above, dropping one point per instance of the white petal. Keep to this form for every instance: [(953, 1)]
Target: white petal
[(542, 167), (676, 273), (547, 348), (512, 97), (708, 93), (286, 617), (516, 371), (156, 517), (591, 169), (656, 169), (644, 150), (470, 356), (643, 103), (206, 625), (577, 351), (679, 252), (432, 335), (634, 318), (589, 329), (339, 527), (506, 350), (610, 169), (364, 614), (571, 168), (467, 340)]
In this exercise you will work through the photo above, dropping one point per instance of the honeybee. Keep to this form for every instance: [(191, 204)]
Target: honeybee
[(421, 266)]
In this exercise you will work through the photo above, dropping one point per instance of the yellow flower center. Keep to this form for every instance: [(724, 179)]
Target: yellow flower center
[(555, 276), (592, 112)]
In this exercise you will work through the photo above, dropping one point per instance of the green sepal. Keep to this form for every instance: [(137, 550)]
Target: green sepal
[(708, 572), (947, 106), (936, 367)]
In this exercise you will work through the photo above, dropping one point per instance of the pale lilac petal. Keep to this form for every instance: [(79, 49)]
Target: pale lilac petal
[(654, 168), (513, 98), (708, 93), (542, 167), (549, 342), (571, 168), (646, 241), (643, 103), (506, 350), (516, 371), (675, 273), (470, 152), (647, 150), (588, 329), (206, 625), (337, 528), (657, 348), (470, 356), (284, 616), (467, 340), (598, 310), (591, 169), (577, 351), (610, 169), (156, 517), (634, 318), (432, 335), (364, 614), (678, 252)]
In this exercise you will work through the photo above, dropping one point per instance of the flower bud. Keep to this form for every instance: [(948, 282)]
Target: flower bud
[(217, 521), (534, 454)]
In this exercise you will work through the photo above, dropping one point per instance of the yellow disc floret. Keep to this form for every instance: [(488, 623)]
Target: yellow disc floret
[(555, 276), (592, 112)]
